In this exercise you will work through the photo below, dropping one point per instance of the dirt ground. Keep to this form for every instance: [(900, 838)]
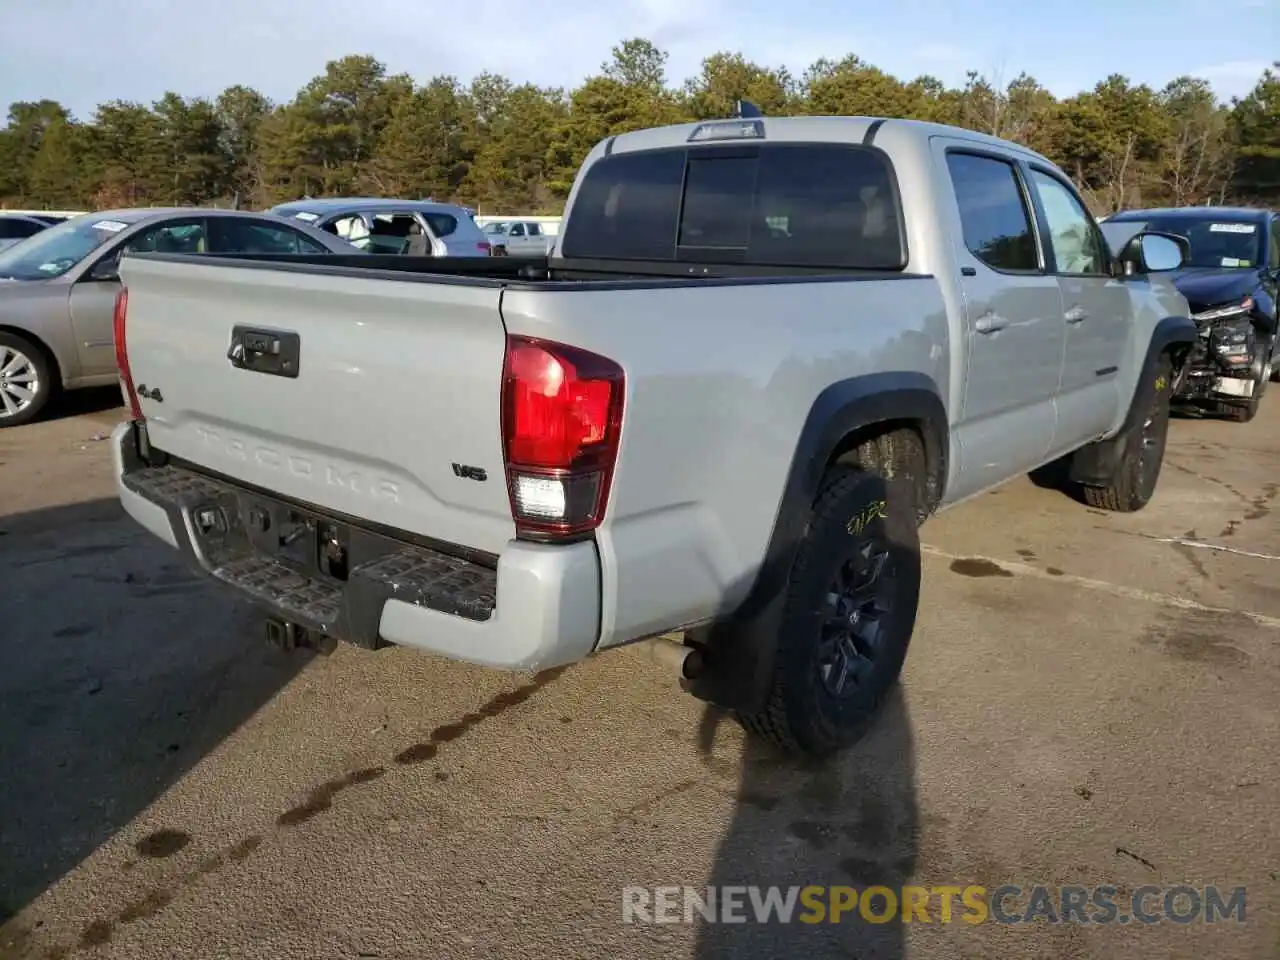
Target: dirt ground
[(1090, 699)]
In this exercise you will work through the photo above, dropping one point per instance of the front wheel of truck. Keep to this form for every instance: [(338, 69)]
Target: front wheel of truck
[(1134, 481), (850, 612)]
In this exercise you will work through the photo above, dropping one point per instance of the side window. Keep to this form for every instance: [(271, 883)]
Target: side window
[(233, 235), (517, 230), (535, 230), (1078, 247), (350, 226), (441, 224), (14, 229), (993, 214), (180, 236)]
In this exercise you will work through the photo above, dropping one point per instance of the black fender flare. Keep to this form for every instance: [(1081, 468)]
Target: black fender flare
[(1097, 462), (739, 647)]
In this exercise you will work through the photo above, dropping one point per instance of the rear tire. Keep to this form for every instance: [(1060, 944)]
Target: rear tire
[(850, 608), (26, 380), (1134, 482)]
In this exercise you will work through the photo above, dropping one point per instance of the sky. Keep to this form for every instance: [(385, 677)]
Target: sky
[(82, 52)]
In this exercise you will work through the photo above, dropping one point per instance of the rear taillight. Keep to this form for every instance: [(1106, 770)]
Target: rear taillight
[(561, 423), (122, 354), (485, 247)]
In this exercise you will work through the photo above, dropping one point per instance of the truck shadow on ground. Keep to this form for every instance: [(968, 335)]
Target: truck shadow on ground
[(1055, 476), (852, 821), (121, 669)]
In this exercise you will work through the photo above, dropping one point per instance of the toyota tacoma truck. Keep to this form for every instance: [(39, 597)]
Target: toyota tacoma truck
[(761, 354)]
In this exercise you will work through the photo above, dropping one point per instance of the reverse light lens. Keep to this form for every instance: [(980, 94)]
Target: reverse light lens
[(562, 419)]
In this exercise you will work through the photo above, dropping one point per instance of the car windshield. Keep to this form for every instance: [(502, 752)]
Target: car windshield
[(1215, 244), (51, 253)]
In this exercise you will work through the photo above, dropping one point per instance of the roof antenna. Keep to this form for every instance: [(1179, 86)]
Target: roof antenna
[(748, 110)]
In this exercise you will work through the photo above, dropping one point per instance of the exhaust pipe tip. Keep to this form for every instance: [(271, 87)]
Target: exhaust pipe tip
[(674, 654)]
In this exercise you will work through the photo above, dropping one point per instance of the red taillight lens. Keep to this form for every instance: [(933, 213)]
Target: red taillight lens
[(484, 247), (122, 354), (561, 423)]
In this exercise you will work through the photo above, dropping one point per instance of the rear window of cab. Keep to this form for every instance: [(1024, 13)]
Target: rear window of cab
[(831, 206)]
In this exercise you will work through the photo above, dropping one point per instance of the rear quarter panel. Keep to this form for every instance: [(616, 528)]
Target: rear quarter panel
[(719, 382)]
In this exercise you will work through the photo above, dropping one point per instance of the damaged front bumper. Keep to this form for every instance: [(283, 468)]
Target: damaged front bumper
[(1209, 375)]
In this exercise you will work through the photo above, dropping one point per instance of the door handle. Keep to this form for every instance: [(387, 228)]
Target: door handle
[(990, 323), (1076, 314)]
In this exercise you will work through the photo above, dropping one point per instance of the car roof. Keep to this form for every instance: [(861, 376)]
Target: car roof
[(820, 129), (1195, 213), (138, 216), (339, 204)]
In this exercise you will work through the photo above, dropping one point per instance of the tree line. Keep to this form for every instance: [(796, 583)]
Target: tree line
[(503, 146)]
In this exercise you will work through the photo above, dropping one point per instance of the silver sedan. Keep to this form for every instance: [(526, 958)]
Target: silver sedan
[(58, 290)]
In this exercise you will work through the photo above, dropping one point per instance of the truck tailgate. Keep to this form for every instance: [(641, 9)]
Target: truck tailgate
[(390, 412)]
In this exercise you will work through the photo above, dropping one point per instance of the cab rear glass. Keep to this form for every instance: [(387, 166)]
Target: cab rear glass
[(832, 206)]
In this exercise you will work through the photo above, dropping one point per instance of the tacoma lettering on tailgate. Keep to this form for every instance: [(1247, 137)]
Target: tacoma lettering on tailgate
[(304, 468)]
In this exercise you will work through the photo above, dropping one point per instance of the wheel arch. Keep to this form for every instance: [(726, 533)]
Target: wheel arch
[(1174, 337), (739, 647)]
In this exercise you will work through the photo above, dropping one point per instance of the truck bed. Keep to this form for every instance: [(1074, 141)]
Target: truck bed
[(529, 272)]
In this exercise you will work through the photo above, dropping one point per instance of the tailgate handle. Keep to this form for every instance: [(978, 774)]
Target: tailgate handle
[(276, 353)]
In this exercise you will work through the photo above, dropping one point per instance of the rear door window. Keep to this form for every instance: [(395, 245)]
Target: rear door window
[(177, 236), (234, 235), (993, 212), (787, 205), (441, 224)]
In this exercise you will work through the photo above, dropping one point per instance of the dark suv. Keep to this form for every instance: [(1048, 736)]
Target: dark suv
[(1230, 280)]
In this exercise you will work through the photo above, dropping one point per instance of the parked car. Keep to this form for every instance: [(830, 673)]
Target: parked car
[(766, 351), (58, 290), (414, 227), (1232, 283), (18, 226), (519, 238)]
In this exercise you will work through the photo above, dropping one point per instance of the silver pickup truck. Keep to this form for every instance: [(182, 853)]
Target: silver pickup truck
[(765, 351)]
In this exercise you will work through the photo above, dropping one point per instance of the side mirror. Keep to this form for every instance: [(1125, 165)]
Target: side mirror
[(1152, 252), (105, 271)]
